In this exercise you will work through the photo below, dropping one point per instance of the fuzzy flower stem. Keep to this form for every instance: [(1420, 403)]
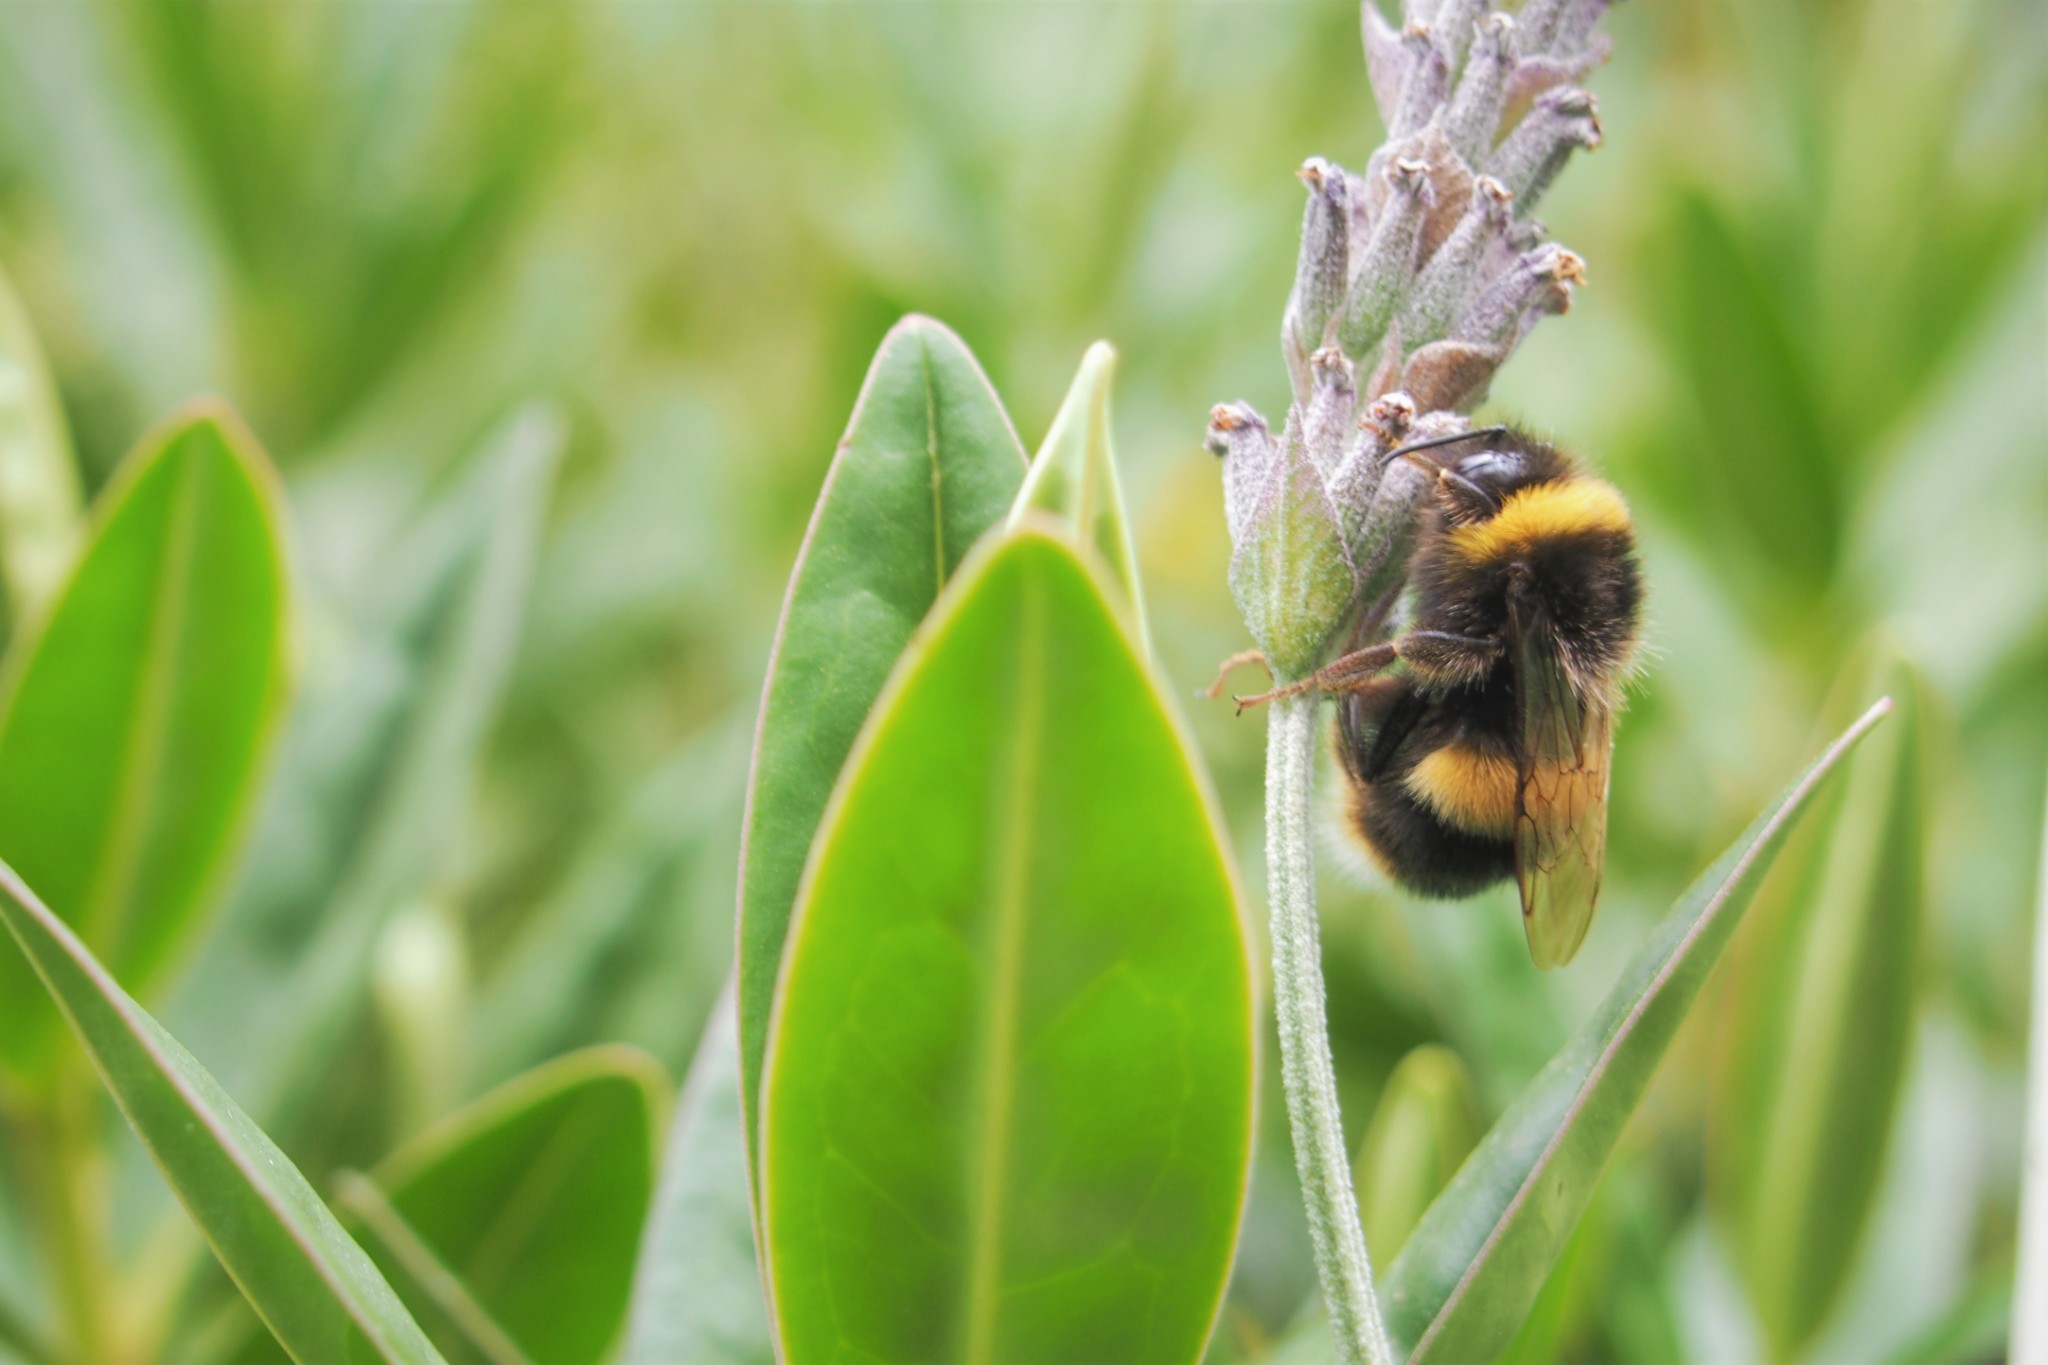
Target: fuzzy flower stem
[(1426, 272), (1320, 1156)]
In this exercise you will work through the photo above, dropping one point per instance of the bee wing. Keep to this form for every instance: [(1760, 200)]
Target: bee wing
[(1561, 796)]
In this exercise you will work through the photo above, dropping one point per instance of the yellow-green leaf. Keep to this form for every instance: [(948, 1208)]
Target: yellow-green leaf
[(134, 724), (1073, 478), (1426, 1123), (312, 1286), (531, 1199), (1007, 1109)]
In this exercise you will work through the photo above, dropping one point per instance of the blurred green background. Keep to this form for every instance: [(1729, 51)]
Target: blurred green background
[(1813, 354)]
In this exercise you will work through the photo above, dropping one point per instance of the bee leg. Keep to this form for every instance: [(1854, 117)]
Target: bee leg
[(1235, 661), (1351, 673), (1449, 659)]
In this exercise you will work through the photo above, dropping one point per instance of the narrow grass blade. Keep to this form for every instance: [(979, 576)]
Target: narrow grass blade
[(2030, 1289), (1818, 1021), (1469, 1273), (313, 1287)]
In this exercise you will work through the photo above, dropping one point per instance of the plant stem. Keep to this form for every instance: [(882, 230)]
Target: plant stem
[(57, 1143), (2030, 1290), (1320, 1156)]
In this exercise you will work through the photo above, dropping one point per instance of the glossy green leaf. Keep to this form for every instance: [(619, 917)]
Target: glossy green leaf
[(1426, 1123), (1073, 479), (697, 1288), (532, 1199), (1007, 1108), (1469, 1273), (134, 724), (39, 498), (1819, 1017), (312, 1286), (929, 461)]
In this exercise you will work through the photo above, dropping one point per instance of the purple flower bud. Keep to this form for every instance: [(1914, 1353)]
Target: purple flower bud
[(1243, 441), (1475, 110), (1538, 21), (1387, 60), (1534, 75), (1453, 26), (1322, 273), (1561, 122), (1429, 76), (1326, 420), (1381, 279), (1575, 26), (1451, 276), (1539, 282), (1290, 564)]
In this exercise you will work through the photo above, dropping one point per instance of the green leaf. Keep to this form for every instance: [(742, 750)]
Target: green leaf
[(1073, 478), (929, 462), (313, 1287), (697, 1288), (532, 1198), (1426, 1123), (39, 498), (1471, 1270), (1819, 1019), (372, 786), (135, 722), (1008, 1102)]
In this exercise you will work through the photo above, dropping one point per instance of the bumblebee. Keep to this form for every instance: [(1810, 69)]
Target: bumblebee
[(1484, 752)]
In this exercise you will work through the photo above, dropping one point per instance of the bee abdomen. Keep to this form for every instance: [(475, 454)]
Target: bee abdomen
[(1470, 789), (1421, 851)]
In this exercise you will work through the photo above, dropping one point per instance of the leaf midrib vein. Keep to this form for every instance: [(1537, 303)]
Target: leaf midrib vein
[(105, 916), (1018, 779)]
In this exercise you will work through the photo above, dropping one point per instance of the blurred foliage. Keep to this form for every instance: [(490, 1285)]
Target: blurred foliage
[(1811, 354)]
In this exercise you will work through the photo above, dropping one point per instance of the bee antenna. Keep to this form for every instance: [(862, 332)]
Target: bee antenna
[(1481, 433)]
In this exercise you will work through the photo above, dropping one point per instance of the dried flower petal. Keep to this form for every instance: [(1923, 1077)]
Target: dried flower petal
[(1452, 375)]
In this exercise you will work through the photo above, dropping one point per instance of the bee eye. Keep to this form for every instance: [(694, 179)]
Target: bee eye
[(1490, 466)]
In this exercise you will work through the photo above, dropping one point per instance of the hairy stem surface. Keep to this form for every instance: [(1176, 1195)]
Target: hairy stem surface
[(1320, 1156)]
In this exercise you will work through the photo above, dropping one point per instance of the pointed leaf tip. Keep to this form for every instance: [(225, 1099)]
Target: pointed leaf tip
[(1074, 478), (1470, 1271)]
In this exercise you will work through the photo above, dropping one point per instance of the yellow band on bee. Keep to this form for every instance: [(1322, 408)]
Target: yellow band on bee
[(1544, 511), (1469, 789)]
